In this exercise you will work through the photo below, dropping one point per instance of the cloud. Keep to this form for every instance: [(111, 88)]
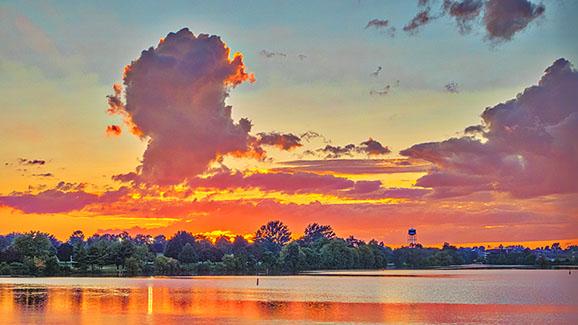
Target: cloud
[(364, 187), (43, 175), (65, 197), (420, 19), (452, 87), (529, 146), (377, 23), (307, 136), (501, 19), (269, 55), (24, 161), (473, 129), (465, 12), (369, 147), (436, 219), (334, 151), (382, 25), (64, 186), (504, 18), (284, 141), (174, 97), (50, 201), (289, 183), (113, 130), (372, 147), (381, 92)]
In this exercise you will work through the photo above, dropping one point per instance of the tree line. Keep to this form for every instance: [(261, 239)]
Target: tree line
[(271, 252)]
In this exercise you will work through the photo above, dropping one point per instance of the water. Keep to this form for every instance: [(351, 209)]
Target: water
[(393, 296)]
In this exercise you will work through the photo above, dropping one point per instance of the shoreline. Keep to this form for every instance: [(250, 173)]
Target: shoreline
[(331, 273)]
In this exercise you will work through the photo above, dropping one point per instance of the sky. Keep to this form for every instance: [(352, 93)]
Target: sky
[(455, 117)]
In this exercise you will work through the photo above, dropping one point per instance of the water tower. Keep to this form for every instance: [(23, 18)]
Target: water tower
[(412, 237)]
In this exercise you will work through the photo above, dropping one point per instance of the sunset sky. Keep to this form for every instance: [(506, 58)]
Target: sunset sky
[(456, 117)]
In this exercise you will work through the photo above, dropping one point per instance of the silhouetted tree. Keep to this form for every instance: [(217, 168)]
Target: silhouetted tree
[(80, 257), (239, 243), (34, 244), (354, 242), (76, 238), (175, 245), (64, 252), (314, 232), (336, 255), (159, 243), (188, 254), (224, 245), (207, 251), (273, 235), (292, 258), (3, 243), (366, 257)]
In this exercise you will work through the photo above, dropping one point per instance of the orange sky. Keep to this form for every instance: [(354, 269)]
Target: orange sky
[(196, 138)]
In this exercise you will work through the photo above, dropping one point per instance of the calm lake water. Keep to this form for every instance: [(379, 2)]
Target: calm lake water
[(393, 296)]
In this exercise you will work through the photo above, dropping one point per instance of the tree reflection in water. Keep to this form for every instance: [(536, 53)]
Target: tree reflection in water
[(31, 297)]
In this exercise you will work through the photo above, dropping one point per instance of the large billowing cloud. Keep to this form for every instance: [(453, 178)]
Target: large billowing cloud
[(527, 148), (174, 96)]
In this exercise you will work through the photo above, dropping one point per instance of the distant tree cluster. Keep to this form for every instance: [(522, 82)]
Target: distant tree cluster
[(271, 252)]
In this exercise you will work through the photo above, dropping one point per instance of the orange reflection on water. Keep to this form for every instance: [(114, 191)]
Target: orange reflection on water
[(150, 304)]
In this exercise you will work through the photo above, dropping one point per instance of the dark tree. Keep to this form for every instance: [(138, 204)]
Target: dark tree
[(127, 249), (175, 245), (52, 267), (64, 252), (207, 251), (80, 257), (354, 242), (3, 242), (11, 255), (11, 236), (315, 231), (224, 245), (124, 236), (273, 235), (141, 239), (293, 258), (34, 244), (76, 238), (159, 244), (366, 257), (188, 254), (239, 243), (53, 241), (113, 255), (336, 255), (93, 255)]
